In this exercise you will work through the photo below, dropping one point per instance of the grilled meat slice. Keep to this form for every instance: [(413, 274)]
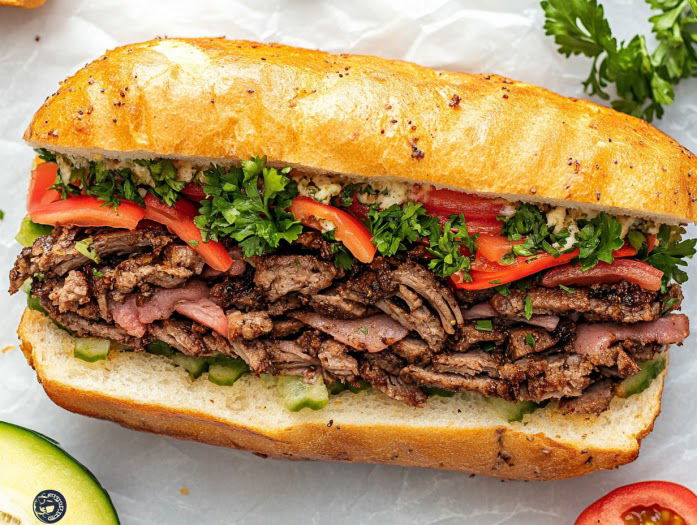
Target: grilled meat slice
[(524, 341), (333, 305), (372, 370), (336, 362), (414, 351), (250, 325), (469, 335), (456, 383), (594, 400), (279, 275)]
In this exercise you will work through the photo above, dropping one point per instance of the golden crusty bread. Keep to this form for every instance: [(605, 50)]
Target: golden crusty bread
[(28, 4), (223, 100), (148, 392)]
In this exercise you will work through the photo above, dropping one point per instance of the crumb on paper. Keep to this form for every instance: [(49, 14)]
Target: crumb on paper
[(37, 38), (6, 349), (184, 491)]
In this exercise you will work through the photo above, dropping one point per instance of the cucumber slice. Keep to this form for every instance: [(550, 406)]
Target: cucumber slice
[(639, 382), (159, 348), (30, 231), (37, 476), (511, 410), (297, 394), (91, 348), (435, 391), (224, 371), (194, 365)]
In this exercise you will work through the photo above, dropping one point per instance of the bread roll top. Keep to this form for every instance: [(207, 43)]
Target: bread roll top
[(220, 100)]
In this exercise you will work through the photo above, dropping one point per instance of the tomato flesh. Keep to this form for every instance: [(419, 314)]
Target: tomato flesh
[(179, 219), (85, 210), (653, 514), (43, 177), (349, 230), (643, 501), (445, 202)]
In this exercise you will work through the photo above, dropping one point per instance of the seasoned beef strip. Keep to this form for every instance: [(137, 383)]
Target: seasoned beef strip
[(297, 314)]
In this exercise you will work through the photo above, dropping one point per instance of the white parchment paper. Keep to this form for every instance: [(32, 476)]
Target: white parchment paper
[(145, 473)]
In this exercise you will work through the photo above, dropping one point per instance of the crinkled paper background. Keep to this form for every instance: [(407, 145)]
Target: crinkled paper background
[(145, 473)]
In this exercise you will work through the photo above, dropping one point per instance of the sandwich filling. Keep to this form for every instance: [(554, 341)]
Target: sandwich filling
[(409, 289)]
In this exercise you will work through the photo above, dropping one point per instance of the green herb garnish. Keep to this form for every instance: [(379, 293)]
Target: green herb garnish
[(85, 248), (568, 290), (528, 307), (249, 204), (598, 239), (530, 340), (670, 253), (643, 81), (484, 325)]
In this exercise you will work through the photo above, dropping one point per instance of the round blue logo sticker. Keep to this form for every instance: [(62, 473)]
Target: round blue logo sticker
[(50, 506)]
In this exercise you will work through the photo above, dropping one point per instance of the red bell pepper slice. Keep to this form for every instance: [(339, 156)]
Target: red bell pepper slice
[(42, 178), (179, 219), (349, 230), (85, 210)]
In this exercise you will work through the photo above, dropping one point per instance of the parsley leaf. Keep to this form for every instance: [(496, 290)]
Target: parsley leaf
[(394, 229), (347, 193), (568, 290), (530, 340), (484, 325), (598, 239), (527, 311), (249, 204), (45, 155), (342, 257), (109, 185), (643, 82), (530, 224), (671, 253), (163, 173), (446, 247), (85, 248)]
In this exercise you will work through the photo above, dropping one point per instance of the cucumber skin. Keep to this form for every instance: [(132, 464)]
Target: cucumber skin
[(296, 394), (226, 371), (85, 349), (637, 383), (511, 411)]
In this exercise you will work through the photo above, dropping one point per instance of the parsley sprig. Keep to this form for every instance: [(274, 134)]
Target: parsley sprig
[(530, 224), (643, 81), (396, 228), (249, 204), (670, 254), (598, 239)]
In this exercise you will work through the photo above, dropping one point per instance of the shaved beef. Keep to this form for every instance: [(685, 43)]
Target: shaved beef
[(239, 292), (55, 254), (178, 264), (469, 335), (285, 327), (205, 312), (337, 362), (390, 385), (457, 383), (290, 358), (370, 286), (553, 300), (249, 325), (467, 364), (314, 241), (520, 339), (179, 335), (372, 333), (594, 340), (414, 351), (485, 311), (564, 376), (420, 320), (594, 400), (73, 293), (336, 306), (439, 297), (279, 275), (253, 353)]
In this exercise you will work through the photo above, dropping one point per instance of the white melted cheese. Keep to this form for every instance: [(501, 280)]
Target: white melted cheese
[(322, 188)]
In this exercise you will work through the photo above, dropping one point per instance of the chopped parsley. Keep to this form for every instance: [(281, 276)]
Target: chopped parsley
[(45, 155), (484, 325), (163, 173), (530, 340), (108, 185), (529, 224), (446, 247), (343, 259), (85, 248), (97, 273), (347, 193), (671, 253), (568, 290), (504, 290), (363, 330), (528, 307), (193, 242), (249, 204), (598, 239)]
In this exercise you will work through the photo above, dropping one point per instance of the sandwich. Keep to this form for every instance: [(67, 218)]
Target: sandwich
[(337, 257)]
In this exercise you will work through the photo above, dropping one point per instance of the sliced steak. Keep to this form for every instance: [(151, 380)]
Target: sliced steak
[(250, 325), (253, 353), (564, 376), (469, 335), (421, 321), (414, 351), (390, 385), (557, 301), (372, 285), (467, 364), (314, 241), (424, 283), (594, 400), (55, 254), (372, 334), (457, 383), (72, 293), (333, 305), (337, 363), (524, 341), (179, 334), (279, 275), (284, 327), (290, 358), (239, 293)]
